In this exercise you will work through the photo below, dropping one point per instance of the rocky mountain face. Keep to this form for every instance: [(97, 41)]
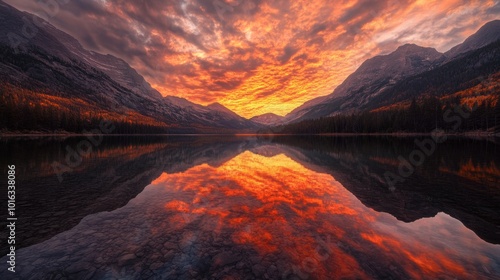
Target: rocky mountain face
[(371, 78), (385, 70), (222, 110), (373, 84), (50, 59), (268, 119), (114, 67), (487, 34)]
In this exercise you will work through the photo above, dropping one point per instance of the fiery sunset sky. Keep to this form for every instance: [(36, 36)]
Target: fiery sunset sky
[(256, 56)]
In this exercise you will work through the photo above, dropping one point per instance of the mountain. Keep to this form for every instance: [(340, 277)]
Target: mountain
[(384, 70), (409, 72), (108, 182), (49, 64), (297, 113), (179, 101), (214, 111), (470, 78), (372, 77), (114, 67), (487, 34), (359, 165), (268, 119), (217, 107)]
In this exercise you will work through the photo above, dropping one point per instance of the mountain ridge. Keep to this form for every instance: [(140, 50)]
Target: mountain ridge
[(268, 119), (487, 34), (364, 86), (376, 73), (54, 60)]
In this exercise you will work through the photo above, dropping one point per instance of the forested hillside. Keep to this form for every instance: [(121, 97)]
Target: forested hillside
[(423, 116)]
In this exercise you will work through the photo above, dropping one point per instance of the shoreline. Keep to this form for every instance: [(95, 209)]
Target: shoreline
[(481, 134)]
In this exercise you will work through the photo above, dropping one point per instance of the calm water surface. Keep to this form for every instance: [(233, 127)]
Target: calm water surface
[(253, 208)]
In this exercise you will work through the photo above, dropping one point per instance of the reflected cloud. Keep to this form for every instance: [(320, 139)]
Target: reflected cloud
[(267, 208)]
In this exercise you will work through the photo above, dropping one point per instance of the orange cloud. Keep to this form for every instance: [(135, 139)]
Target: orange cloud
[(306, 49), (257, 56)]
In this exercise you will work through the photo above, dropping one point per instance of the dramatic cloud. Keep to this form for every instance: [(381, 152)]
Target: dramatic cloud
[(257, 56)]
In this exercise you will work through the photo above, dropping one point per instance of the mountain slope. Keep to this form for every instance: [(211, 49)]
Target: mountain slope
[(407, 60), (268, 119), (221, 109), (409, 72), (213, 112), (487, 34), (465, 72), (372, 77), (55, 63), (114, 67)]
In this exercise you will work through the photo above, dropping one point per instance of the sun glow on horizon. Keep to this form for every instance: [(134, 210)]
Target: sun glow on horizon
[(267, 57)]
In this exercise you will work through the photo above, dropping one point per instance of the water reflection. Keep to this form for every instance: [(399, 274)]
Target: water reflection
[(278, 209)]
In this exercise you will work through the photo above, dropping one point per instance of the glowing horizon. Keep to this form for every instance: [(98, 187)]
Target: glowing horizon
[(257, 57)]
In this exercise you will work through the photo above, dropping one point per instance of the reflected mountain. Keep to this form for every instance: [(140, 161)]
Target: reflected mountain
[(107, 179), (254, 208), (462, 177)]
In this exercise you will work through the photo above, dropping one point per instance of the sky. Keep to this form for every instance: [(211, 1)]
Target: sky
[(256, 56)]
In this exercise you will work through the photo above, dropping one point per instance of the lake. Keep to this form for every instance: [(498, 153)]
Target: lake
[(227, 207)]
